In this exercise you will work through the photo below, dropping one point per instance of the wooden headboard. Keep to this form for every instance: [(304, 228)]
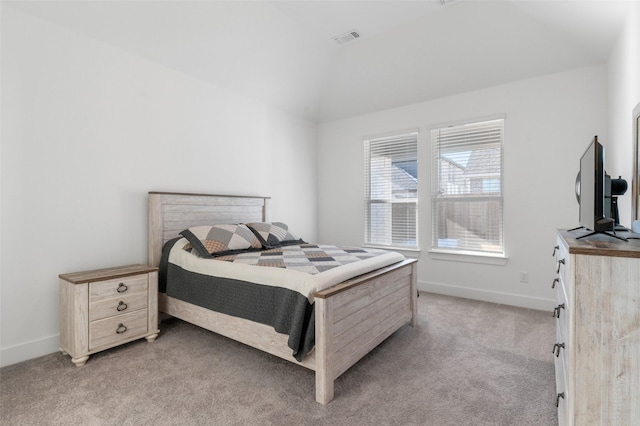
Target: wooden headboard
[(171, 212)]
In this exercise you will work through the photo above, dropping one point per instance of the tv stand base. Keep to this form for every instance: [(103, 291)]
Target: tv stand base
[(611, 233)]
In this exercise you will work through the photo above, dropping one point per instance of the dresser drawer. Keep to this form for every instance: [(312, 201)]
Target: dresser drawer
[(562, 262), (111, 331), (104, 308), (118, 287), (562, 311), (561, 347), (562, 394)]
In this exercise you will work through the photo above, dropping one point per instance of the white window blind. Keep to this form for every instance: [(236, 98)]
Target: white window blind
[(467, 200), (391, 191)]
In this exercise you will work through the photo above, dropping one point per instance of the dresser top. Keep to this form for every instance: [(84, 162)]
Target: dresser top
[(600, 244), (106, 273)]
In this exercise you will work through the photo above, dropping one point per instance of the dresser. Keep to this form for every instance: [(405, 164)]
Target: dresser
[(597, 349), (103, 308)]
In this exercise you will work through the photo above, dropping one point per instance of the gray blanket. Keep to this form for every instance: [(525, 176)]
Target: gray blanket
[(287, 311)]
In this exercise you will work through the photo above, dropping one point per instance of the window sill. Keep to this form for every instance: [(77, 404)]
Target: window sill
[(407, 252), (469, 257)]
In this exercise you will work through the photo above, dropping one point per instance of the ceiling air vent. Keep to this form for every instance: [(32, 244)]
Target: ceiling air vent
[(346, 37)]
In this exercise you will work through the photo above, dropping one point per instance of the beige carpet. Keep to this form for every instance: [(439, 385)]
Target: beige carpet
[(466, 363)]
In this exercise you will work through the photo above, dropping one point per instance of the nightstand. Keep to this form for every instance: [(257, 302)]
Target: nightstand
[(103, 308)]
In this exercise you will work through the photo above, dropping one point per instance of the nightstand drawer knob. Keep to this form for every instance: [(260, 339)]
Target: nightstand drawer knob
[(555, 281), (560, 262), (122, 306), (560, 395), (121, 328), (122, 288), (555, 248)]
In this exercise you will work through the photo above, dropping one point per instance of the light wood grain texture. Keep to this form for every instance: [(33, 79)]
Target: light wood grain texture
[(170, 213), (600, 244), (117, 305), (96, 275), (103, 308), (324, 351), (152, 306), (414, 294), (343, 312), (119, 287), (599, 367), (74, 319), (110, 331)]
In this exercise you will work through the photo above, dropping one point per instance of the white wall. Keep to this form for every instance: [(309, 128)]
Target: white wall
[(87, 131), (549, 122), (624, 95)]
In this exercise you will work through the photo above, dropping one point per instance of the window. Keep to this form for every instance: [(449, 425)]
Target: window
[(467, 184), (391, 191)]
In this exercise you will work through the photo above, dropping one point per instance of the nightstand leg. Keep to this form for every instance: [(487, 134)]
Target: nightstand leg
[(151, 338), (79, 362)]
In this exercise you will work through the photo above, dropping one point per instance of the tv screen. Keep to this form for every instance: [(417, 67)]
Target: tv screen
[(591, 188)]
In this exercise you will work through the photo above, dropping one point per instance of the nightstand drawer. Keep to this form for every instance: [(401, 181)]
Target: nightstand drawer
[(118, 287), (116, 329), (104, 308)]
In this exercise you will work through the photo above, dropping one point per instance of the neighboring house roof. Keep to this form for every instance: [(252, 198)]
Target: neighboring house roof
[(404, 183), (482, 163)]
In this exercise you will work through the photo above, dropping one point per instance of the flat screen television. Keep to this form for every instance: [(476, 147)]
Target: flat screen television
[(592, 190)]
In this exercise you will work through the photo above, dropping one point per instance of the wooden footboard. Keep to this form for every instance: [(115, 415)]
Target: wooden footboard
[(354, 317)]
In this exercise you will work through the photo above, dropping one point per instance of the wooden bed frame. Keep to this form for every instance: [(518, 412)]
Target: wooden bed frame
[(351, 318)]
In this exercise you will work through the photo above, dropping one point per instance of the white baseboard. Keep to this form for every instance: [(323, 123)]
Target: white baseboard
[(29, 350), (47, 345), (489, 296)]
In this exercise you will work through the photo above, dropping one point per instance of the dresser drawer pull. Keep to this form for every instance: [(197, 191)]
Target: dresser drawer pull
[(560, 395), (122, 306), (560, 262), (121, 328), (556, 248), (555, 281), (556, 311), (122, 288), (556, 348)]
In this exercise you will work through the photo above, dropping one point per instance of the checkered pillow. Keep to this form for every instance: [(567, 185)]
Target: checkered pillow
[(219, 240), (274, 234)]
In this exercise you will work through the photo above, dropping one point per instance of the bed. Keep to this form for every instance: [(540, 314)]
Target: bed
[(348, 320)]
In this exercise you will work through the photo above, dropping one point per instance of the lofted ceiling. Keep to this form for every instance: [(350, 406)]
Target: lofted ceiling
[(282, 52)]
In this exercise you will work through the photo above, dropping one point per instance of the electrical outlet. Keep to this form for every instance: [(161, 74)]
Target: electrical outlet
[(524, 277)]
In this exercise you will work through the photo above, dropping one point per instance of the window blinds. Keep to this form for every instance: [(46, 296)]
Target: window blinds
[(391, 190), (467, 202)]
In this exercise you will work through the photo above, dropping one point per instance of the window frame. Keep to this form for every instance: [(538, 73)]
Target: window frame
[(463, 253), (369, 241)]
